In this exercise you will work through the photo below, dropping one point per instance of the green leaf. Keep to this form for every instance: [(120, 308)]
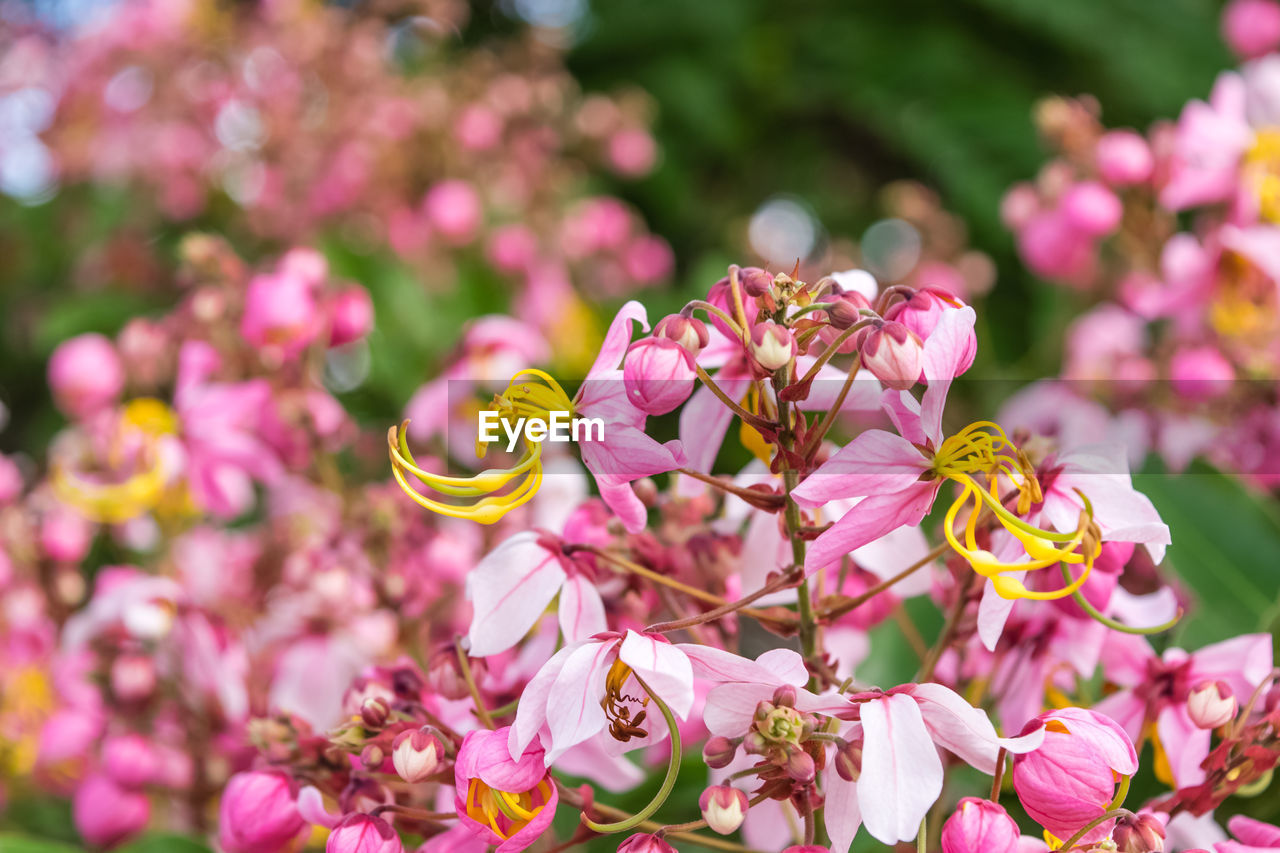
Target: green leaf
[(10, 843), (165, 843)]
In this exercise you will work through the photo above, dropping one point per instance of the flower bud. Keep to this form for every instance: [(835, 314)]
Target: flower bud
[(130, 760), (772, 345), (1124, 158), (374, 712), (894, 355), (784, 696), (444, 678), (259, 814), (849, 761), (106, 814), (416, 754), (922, 312), (453, 208), (658, 375), (362, 833), (1092, 208), (723, 808), (800, 766), (372, 756), (755, 281), (807, 848), (350, 316), (645, 844), (280, 312), (1251, 28), (85, 375), (1212, 704), (846, 309), (689, 332), (1200, 373), (1081, 745), (1142, 833), (979, 826), (719, 752)]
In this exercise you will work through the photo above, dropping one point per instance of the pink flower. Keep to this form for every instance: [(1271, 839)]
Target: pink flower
[(645, 843), (1209, 142), (130, 760), (220, 422), (281, 314), (362, 833), (1200, 373), (632, 151), (979, 826), (902, 774), (1156, 689), (1071, 779), (1251, 28), (922, 313), (85, 375), (658, 374), (591, 686), (490, 786), (627, 453), (106, 814), (885, 469), (511, 587), (259, 814), (1124, 158), (350, 316), (453, 208), (1092, 208)]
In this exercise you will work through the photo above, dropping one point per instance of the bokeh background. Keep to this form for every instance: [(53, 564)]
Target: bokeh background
[(814, 111)]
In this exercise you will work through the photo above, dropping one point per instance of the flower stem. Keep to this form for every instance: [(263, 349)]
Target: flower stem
[(754, 420), (1107, 620), (780, 582), (862, 598), (668, 783), (753, 495), (1096, 822), (464, 666)]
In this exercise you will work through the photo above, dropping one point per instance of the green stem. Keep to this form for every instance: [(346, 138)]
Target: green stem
[(1107, 620), (668, 783), (1096, 822), (464, 667), (922, 837)]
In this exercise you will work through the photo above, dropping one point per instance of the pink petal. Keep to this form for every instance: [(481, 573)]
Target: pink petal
[(573, 707), (581, 610), (509, 590), (945, 353), (875, 463), (663, 667), (1186, 745), (901, 772), (704, 420), (965, 730), (870, 519), (531, 713), (1255, 832), (842, 812), (618, 338), (718, 665), (1243, 662)]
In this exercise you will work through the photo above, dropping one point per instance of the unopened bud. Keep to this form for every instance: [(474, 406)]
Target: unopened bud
[(772, 345), (416, 754), (374, 713), (133, 677), (689, 332), (1138, 834), (645, 843), (1212, 704), (444, 678), (894, 354), (785, 696), (723, 808), (719, 752), (800, 766), (849, 761), (372, 756), (755, 281)]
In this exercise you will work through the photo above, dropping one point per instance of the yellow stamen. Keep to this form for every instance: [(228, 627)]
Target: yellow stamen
[(532, 395), (505, 812), (982, 448)]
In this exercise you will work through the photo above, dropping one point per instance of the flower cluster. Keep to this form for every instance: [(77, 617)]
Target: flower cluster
[(1174, 236)]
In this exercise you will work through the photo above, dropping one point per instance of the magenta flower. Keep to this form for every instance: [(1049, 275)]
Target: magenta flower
[(979, 826), (259, 814), (1156, 688), (1071, 779), (508, 803)]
